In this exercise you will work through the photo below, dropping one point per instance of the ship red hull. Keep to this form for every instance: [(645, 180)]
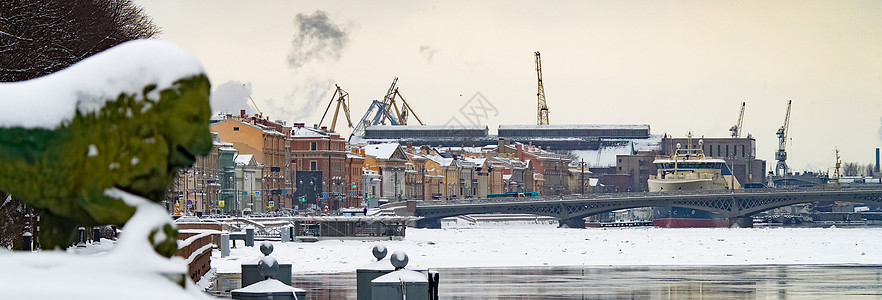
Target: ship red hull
[(689, 223)]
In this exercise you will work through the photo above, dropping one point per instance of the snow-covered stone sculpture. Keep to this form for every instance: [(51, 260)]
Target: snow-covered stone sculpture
[(124, 120)]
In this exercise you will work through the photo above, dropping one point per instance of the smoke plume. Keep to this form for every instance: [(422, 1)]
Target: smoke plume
[(317, 39), (303, 103), (230, 97), (427, 52)]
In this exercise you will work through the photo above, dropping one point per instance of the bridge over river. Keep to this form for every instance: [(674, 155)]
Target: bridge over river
[(737, 205)]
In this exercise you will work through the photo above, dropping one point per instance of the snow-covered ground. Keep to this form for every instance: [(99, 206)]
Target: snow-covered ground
[(513, 244)]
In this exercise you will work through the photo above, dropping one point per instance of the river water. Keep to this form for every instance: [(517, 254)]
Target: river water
[(625, 282)]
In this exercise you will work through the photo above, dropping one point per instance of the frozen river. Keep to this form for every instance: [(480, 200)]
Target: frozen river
[(629, 282), (537, 245), (540, 261)]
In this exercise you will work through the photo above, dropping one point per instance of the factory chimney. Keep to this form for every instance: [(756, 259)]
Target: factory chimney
[(876, 171)]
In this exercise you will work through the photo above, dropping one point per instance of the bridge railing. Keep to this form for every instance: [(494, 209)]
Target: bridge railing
[(632, 195)]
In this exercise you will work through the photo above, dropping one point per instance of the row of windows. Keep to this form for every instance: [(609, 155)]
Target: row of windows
[(574, 132), (709, 151), (400, 134), (313, 146)]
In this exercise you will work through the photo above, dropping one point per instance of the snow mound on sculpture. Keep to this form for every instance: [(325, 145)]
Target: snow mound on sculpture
[(49, 101)]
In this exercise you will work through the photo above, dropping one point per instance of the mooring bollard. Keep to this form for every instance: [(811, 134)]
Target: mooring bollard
[(365, 274), (27, 241), (400, 284), (96, 235), (434, 277), (268, 287), (251, 274), (81, 237), (225, 244), (249, 237)]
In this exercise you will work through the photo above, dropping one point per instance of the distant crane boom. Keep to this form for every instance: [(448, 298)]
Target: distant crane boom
[(736, 129), (255, 104), (342, 101), (781, 155), (542, 109), (387, 101), (380, 111)]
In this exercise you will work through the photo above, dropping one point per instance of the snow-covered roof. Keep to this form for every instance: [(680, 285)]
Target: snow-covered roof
[(307, 132), (653, 142), (603, 157), (381, 151), (576, 126), (443, 161), (427, 127), (243, 159), (476, 161), (47, 102), (264, 129)]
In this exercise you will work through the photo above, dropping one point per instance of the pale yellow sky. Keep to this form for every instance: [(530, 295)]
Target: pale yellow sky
[(676, 65)]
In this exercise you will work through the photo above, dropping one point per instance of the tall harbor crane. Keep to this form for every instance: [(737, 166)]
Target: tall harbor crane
[(387, 102), (542, 110), (406, 110), (400, 115), (781, 154), (342, 100), (736, 129), (380, 111)]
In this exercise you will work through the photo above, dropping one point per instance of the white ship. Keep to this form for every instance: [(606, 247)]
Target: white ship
[(689, 170)]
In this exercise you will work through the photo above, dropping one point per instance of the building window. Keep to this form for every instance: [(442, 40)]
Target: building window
[(235, 128), (727, 150), (711, 152), (718, 151), (742, 151), (312, 146), (313, 165)]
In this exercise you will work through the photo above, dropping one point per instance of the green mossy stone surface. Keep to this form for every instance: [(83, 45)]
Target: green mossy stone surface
[(141, 141)]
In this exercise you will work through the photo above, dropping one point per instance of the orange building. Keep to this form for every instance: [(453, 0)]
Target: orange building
[(262, 138)]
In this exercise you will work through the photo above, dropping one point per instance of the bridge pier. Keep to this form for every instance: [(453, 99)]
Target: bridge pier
[(572, 223), (429, 223), (743, 222)]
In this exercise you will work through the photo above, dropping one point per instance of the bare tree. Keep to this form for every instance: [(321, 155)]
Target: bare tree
[(11, 220), (38, 37), (853, 169)]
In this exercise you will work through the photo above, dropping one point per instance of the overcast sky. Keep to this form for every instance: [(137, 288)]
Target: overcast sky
[(675, 65)]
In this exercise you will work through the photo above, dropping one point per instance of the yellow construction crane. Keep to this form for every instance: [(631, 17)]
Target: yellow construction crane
[(342, 99), (405, 109), (736, 129), (255, 104), (542, 110)]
